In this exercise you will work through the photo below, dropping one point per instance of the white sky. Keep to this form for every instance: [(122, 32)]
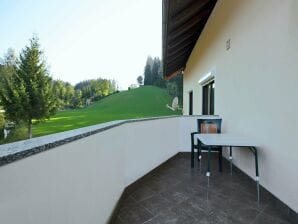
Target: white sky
[(84, 39)]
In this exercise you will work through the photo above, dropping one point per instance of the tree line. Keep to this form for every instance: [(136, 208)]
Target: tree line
[(83, 93), (153, 75), (27, 91)]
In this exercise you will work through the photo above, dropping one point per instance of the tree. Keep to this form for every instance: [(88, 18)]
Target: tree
[(2, 121), (161, 82), (175, 87), (148, 72), (77, 101), (157, 79), (147, 75), (95, 89), (140, 80), (60, 92), (11, 90), (104, 86), (69, 94), (113, 86), (27, 93), (2, 124), (64, 92), (155, 71), (8, 66)]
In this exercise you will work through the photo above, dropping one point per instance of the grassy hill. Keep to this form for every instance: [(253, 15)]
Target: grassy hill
[(147, 101)]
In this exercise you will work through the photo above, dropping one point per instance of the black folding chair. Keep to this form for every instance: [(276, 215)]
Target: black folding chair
[(206, 126)]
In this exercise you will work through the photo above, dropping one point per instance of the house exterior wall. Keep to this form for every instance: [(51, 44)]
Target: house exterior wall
[(256, 84)]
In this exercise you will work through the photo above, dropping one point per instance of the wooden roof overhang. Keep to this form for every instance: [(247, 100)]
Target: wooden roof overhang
[(183, 22)]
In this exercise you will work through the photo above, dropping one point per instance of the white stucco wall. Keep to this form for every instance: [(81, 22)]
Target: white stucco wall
[(81, 182), (256, 84), (148, 145)]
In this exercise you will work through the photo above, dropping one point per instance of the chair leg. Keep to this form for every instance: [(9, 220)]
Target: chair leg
[(220, 160), (192, 157), (199, 150), (200, 157)]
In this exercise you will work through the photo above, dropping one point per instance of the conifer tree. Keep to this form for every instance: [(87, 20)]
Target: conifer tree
[(147, 75), (27, 92), (148, 72), (155, 71)]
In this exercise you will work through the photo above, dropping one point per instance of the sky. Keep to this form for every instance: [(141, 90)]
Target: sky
[(85, 39)]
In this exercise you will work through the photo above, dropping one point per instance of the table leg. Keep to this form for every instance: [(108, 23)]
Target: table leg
[(200, 156), (258, 189), (192, 157), (220, 160), (208, 165), (231, 159), (254, 150)]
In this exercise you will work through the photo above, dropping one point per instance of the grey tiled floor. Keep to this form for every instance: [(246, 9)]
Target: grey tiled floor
[(178, 194)]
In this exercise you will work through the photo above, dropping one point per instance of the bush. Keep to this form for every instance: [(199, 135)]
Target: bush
[(172, 89), (1, 133), (2, 120), (2, 123), (18, 133), (175, 88)]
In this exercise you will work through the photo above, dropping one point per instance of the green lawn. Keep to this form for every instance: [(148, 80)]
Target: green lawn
[(147, 101)]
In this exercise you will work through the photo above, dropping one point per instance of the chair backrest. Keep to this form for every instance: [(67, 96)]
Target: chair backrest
[(206, 125)]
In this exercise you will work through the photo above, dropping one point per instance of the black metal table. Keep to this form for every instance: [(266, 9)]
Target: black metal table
[(231, 141)]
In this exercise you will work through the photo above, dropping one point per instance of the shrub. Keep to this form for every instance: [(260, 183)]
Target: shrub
[(2, 120), (2, 123), (18, 133)]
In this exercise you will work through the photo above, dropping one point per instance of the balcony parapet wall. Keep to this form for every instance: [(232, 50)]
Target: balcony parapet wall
[(18, 150)]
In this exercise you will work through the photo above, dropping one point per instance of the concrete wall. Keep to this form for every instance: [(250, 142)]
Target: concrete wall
[(81, 182), (256, 84)]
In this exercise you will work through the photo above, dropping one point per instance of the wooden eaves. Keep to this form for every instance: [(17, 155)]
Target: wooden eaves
[(183, 22)]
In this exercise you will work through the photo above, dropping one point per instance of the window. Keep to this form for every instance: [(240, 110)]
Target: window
[(190, 110), (208, 98)]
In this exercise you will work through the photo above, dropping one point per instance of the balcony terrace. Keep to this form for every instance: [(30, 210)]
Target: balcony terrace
[(130, 171)]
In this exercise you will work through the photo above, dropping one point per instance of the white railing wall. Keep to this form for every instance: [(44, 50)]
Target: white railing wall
[(81, 182)]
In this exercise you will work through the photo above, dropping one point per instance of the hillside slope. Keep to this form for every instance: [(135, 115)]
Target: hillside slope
[(147, 101)]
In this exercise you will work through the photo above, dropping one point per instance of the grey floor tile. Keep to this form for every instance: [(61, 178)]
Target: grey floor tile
[(135, 214), (245, 215), (221, 217), (175, 197), (171, 217), (159, 185), (156, 204), (278, 211), (142, 193), (118, 220), (178, 194), (193, 208), (264, 219), (127, 202)]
